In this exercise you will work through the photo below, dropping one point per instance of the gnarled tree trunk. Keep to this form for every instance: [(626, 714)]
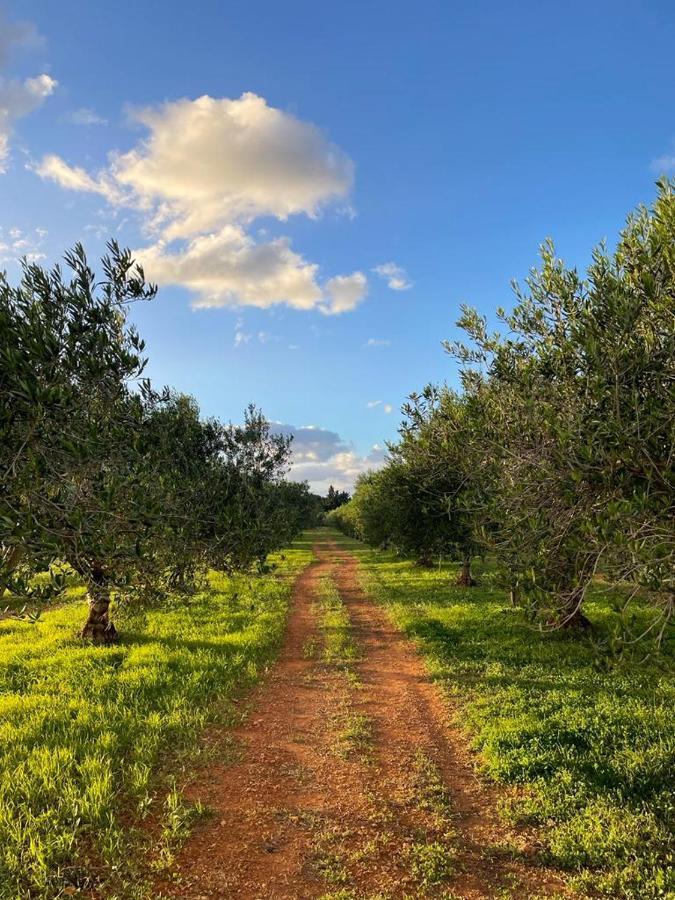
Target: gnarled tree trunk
[(98, 628), (465, 579), (571, 614)]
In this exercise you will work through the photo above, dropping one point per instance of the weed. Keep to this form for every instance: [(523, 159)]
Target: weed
[(431, 863)]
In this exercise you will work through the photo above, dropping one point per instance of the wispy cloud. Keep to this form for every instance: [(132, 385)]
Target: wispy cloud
[(664, 165), (16, 244), (379, 404), (378, 342), (395, 276), (241, 337), (84, 116)]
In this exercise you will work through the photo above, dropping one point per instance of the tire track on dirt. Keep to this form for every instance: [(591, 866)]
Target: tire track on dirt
[(411, 717), (298, 817)]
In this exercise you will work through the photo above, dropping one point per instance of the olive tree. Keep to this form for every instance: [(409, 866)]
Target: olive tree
[(577, 414), (67, 414)]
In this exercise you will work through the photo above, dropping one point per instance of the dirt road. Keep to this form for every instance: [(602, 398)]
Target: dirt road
[(351, 781)]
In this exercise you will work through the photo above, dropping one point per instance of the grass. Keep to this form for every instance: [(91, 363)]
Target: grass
[(84, 730), (431, 863), (335, 625), (340, 650), (589, 744)]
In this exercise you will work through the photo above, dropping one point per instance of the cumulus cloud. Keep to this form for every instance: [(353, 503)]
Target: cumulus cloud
[(210, 161), (395, 276), (346, 292), (229, 268), (205, 171), (19, 99), (322, 458)]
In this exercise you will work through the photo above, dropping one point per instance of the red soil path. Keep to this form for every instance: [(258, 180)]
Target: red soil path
[(307, 812)]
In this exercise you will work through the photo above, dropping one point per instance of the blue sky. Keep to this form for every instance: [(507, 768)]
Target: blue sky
[(443, 141)]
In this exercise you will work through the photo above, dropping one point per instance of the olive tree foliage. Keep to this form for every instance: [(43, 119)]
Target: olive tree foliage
[(126, 485), (437, 445), (67, 416), (421, 502), (576, 415)]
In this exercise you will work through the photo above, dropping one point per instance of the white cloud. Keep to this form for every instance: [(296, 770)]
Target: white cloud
[(374, 404), (664, 165), (228, 268), (205, 171), (85, 116), (346, 292), (75, 178), (323, 458), (395, 276), (18, 99), (240, 336), (210, 161), (16, 244), (378, 342)]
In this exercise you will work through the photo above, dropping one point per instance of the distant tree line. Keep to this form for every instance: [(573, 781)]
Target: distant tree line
[(127, 485), (557, 456), (334, 498)]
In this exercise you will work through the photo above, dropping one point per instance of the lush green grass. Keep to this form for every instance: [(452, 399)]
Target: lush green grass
[(84, 729), (591, 746), (335, 625)]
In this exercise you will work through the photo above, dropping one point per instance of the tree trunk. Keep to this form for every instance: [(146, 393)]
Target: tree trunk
[(11, 557), (465, 579), (571, 615), (98, 628)]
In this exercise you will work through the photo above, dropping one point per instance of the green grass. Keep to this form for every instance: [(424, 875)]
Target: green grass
[(590, 745), (335, 625), (84, 730)]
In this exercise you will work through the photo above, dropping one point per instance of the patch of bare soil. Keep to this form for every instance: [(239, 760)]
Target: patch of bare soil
[(351, 782)]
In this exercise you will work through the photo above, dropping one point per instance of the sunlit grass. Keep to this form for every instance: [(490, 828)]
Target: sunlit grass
[(591, 746), (83, 729)]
